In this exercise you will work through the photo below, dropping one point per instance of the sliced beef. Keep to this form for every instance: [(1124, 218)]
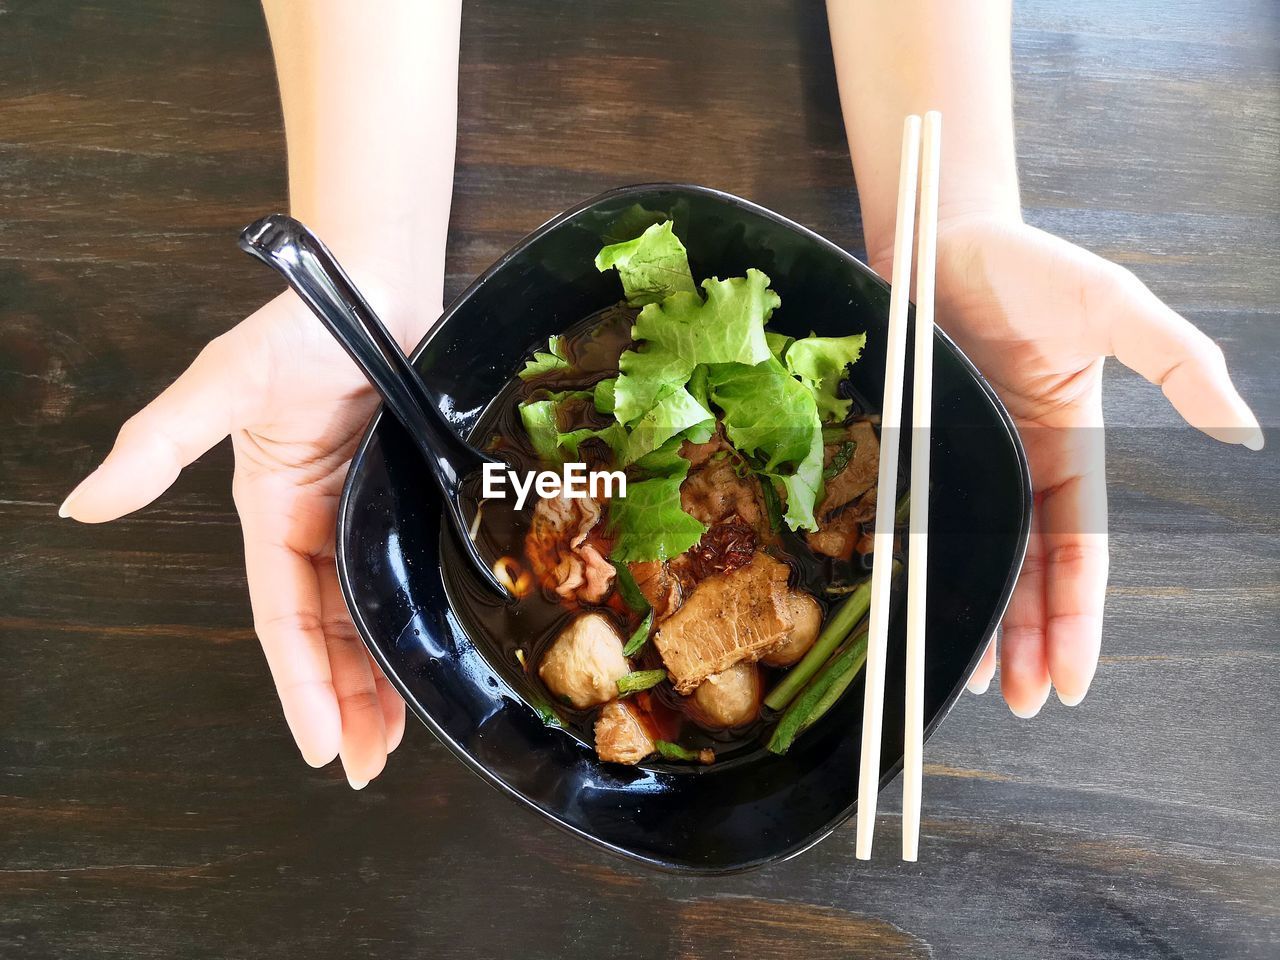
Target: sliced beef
[(715, 492), (558, 551), (699, 453), (661, 585), (841, 534), (859, 474), (621, 736), (850, 498), (729, 617)]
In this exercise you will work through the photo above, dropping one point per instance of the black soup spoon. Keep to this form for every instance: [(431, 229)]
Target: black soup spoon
[(294, 252)]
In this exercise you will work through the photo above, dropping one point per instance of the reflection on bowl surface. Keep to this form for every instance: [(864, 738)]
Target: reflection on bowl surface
[(423, 620)]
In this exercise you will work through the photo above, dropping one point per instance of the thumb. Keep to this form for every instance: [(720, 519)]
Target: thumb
[(153, 446), (1148, 337)]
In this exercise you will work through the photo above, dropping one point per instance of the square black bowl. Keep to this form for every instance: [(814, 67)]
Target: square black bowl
[(731, 815)]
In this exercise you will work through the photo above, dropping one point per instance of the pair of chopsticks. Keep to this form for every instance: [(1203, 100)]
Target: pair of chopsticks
[(926, 171)]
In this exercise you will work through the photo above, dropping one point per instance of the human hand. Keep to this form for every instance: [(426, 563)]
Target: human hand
[(295, 407), (1038, 315)]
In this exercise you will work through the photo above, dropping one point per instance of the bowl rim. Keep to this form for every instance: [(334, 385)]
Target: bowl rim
[(1025, 507)]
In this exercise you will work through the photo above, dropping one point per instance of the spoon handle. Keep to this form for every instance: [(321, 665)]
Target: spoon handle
[(289, 248)]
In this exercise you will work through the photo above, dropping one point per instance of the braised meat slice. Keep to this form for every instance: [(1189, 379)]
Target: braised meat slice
[(699, 453), (714, 492), (621, 736), (840, 534), (659, 584), (729, 617), (559, 553), (860, 472)]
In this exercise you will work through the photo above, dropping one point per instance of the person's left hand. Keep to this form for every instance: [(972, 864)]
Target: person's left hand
[(1038, 315)]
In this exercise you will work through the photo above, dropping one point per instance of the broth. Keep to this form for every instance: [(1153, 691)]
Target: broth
[(516, 635)]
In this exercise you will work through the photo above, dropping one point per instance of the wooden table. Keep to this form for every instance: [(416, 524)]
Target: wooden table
[(151, 801)]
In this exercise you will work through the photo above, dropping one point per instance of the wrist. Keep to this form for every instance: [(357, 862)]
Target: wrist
[(407, 304), (961, 199)]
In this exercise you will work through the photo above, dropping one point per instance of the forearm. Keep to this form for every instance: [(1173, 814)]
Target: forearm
[(909, 56), (370, 110)]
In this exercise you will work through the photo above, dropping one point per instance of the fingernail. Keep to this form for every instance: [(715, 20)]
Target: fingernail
[(1069, 701), (357, 784), (1027, 715), (1255, 440), (980, 690), (64, 511)]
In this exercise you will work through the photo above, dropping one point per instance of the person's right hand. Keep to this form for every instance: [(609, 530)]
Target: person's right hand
[(295, 406)]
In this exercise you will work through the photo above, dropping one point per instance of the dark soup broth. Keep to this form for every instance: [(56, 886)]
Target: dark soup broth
[(517, 636)]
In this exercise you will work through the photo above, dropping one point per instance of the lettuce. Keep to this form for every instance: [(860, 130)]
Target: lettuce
[(773, 418), (672, 416), (820, 363), (778, 343), (613, 435), (684, 331), (644, 378), (699, 354), (726, 327), (602, 395), (649, 523), (540, 423), (652, 267), (553, 358)]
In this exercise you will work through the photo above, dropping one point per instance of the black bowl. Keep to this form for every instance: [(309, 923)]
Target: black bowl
[(731, 815)]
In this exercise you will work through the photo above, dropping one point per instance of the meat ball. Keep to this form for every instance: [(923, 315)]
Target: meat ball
[(730, 698), (807, 616), (585, 662)]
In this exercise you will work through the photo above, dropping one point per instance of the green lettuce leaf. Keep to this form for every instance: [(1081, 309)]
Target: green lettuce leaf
[(820, 363), (778, 342), (539, 419), (652, 267), (773, 418), (672, 415), (614, 435), (664, 462), (644, 378), (603, 395), (632, 222), (553, 358), (684, 331), (649, 523), (726, 327), (804, 487)]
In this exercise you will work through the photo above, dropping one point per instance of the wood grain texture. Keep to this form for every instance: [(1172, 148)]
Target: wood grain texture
[(152, 802)]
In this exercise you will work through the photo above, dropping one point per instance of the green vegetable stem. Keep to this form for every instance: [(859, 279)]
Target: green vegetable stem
[(820, 695), (640, 680), (640, 637), (839, 625)]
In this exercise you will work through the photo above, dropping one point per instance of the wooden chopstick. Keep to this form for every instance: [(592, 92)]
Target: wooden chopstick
[(890, 436), (918, 531)]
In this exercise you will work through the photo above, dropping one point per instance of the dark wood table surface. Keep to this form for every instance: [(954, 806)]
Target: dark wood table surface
[(151, 800)]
